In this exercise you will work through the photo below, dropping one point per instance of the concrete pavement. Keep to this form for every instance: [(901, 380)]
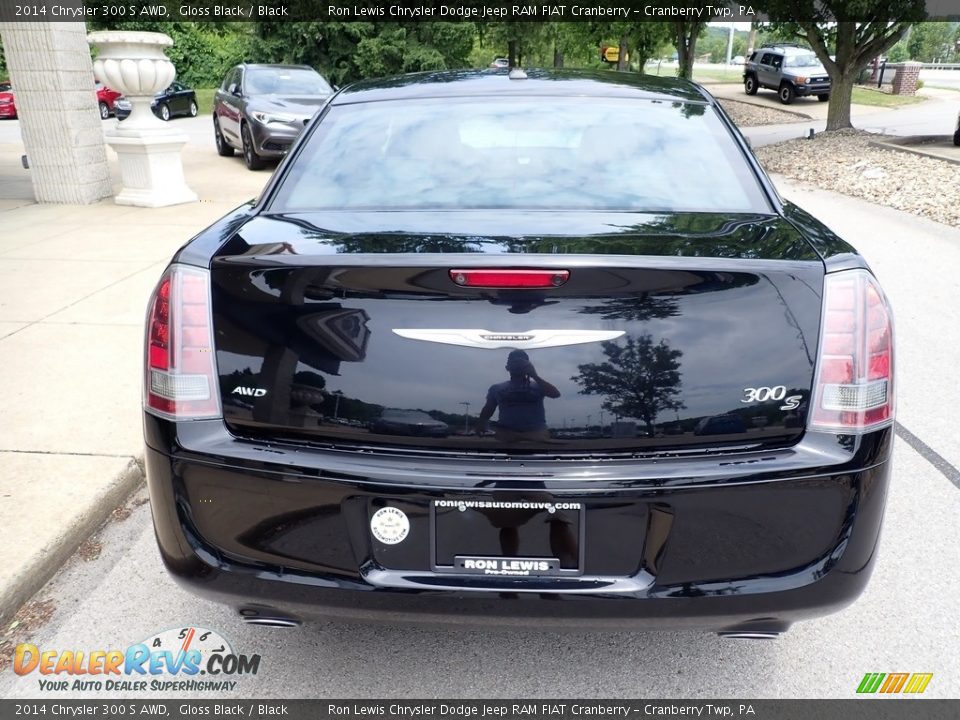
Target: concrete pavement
[(936, 116), (74, 283)]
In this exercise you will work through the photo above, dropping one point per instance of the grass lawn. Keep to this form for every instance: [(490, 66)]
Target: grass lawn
[(864, 96), (731, 74), (205, 100), (718, 75)]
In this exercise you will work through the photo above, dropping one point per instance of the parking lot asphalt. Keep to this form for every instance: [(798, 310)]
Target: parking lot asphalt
[(905, 622)]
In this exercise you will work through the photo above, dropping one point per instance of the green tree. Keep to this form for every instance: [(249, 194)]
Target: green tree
[(685, 35), (639, 379), (686, 32), (846, 35), (899, 52), (348, 51), (931, 41), (647, 38), (521, 40)]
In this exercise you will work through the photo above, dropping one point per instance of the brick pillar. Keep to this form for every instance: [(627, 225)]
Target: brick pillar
[(905, 81), (53, 83)]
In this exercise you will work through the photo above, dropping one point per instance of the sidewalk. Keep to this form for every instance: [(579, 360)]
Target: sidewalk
[(74, 284), (809, 106), (937, 116)]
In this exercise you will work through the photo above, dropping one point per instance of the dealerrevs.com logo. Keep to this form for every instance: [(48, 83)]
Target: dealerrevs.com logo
[(190, 659)]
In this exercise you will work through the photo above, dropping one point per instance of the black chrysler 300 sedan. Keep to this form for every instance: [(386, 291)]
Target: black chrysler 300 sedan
[(667, 394)]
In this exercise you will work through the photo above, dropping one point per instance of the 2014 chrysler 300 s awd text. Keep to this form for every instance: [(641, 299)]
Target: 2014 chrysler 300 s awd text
[(503, 347)]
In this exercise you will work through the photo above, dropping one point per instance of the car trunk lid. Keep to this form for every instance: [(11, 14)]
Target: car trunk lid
[(668, 332)]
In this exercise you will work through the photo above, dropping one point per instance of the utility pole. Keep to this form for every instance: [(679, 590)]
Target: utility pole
[(466, 417), (336, 404)]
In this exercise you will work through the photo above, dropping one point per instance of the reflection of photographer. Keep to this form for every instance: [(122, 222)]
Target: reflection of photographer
[(520, 399)]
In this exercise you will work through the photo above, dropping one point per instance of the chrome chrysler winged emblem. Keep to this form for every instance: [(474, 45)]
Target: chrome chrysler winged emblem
[(490, 340)]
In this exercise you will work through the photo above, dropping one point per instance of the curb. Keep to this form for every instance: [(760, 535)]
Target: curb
[(36, 574), (802, 116), (914, 145)]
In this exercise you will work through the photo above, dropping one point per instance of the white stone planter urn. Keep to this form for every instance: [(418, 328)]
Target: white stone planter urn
[(149, 150)]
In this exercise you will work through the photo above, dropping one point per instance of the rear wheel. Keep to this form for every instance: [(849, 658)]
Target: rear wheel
[(250, 157), (956, 138), (165, 112), (193, 108), (823, 98), (223, 149), (750, 85), (787, 93), (104, 111)]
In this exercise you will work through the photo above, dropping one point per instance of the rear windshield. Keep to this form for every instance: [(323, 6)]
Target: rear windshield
[(521, 153)]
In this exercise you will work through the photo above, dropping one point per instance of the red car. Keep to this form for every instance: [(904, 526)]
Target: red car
[(106, 99), (8, 108)]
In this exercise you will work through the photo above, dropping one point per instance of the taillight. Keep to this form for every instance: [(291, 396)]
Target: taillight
[(494, 278), (180, 377), (854, 384)]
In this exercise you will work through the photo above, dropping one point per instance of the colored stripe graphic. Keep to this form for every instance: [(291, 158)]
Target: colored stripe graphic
[(894, 682), (890, 684), (870, 682), (918, 682)]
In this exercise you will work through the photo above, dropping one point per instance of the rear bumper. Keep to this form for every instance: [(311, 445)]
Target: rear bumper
[(720, 544)]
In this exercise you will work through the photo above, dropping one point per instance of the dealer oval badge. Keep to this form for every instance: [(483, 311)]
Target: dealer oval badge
[(390, 525)]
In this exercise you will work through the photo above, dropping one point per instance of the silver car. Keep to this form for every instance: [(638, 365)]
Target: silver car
[(792, 70), (261, 109)]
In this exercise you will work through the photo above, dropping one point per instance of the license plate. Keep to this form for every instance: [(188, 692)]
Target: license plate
[(507, 538)]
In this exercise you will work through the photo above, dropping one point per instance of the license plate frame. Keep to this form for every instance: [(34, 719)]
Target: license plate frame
[(512, 565)]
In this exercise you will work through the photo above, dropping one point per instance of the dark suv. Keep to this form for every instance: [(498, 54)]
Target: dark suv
[(791, 70), (260, 109)]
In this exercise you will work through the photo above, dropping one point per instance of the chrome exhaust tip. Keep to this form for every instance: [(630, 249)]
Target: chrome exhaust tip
[(267, 617), (276, 622), (750, 635)]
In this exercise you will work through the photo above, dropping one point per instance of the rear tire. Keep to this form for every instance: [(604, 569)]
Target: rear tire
[(750, 85), (223, 148), (104, 111), (956, 138), (193, 108), (250, 157), (787, 93), (165, 112), (823, 98)]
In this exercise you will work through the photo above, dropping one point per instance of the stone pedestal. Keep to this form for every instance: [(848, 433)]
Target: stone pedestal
[(151, 167)]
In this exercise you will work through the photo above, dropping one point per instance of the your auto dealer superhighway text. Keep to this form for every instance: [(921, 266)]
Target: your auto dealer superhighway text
[(533, 710)]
